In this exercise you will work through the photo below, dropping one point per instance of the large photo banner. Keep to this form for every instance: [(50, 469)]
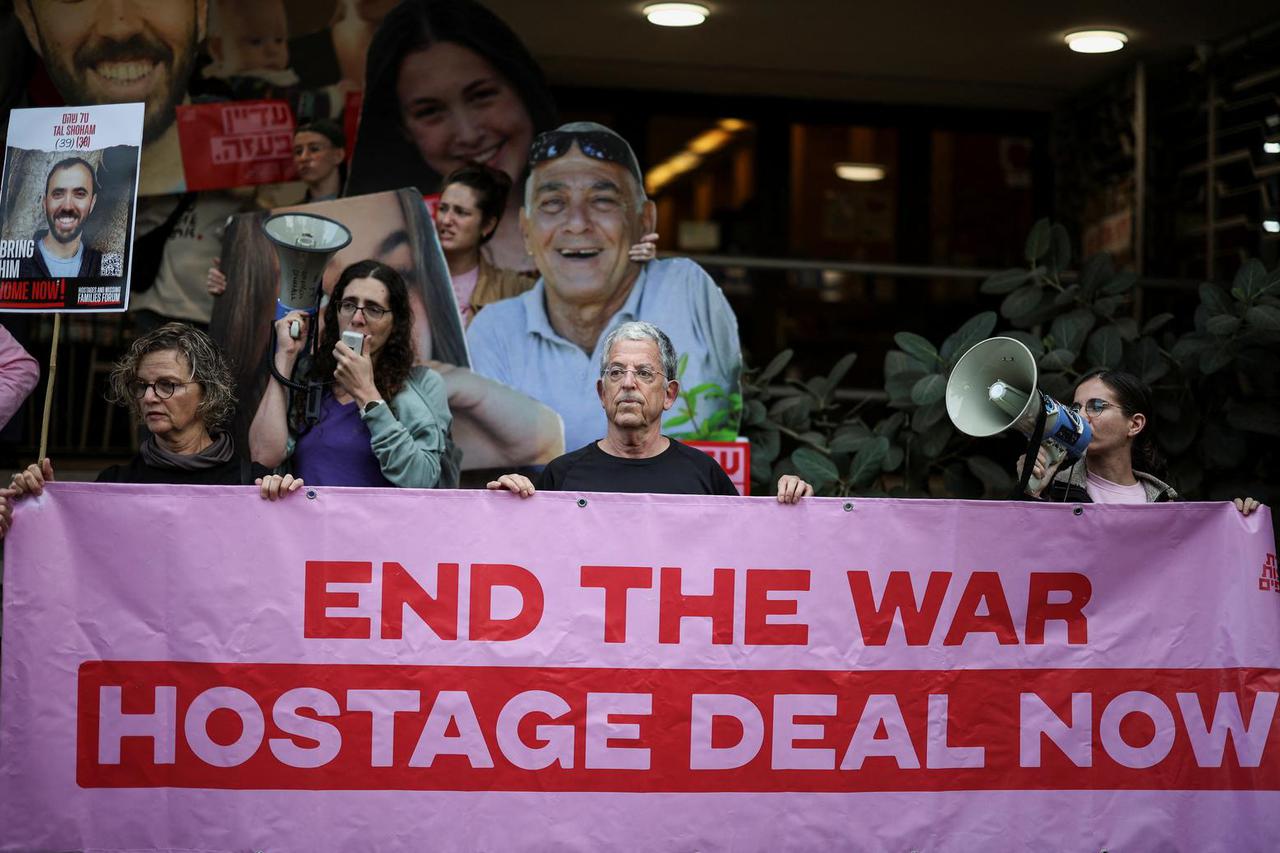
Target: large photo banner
[(67, 204), (190, 668)]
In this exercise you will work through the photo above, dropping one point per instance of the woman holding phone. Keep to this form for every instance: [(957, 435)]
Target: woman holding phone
[(383, 421)]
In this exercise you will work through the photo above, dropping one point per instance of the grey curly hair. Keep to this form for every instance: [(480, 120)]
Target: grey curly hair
[(208, 367)]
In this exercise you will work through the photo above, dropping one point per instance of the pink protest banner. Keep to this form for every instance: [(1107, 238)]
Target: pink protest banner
[(191, 668)]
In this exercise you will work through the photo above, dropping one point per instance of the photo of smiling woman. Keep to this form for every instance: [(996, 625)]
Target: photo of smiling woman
[(449, 83), (493, 425)]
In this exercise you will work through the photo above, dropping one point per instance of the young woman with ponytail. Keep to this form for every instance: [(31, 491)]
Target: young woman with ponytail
[(1122, 464)]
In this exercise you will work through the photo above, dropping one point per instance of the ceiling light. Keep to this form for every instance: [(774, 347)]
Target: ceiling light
[(1271, 147), (733, 125), (864, 172), (1271, 226), (1096, 41), (676, 14)]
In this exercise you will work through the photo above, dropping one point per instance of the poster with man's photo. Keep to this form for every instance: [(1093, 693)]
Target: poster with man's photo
[(67, 203)]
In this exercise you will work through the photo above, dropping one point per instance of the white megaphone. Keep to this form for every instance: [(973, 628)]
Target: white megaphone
[(992, 388), (304, 243)]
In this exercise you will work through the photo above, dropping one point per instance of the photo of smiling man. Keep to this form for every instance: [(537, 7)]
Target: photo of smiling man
[(107, 52), (70, 192), (67, 204)]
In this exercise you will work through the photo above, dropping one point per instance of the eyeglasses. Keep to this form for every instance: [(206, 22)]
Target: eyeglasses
[(164, 388), (349, 307), (1093, 406), (644, 374), (596, 144)]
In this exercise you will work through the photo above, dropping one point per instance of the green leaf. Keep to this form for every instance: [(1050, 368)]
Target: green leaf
[(716, 420), (1028, 340), (1059, 255), (893, 458), (1215, 299), (814, 466), (775, 366), (927, 416), (1005, 280), (1058, 359), (934, 440), (1222, 446), (1097, 270), (1107, 305), (1255, 417), (1251, 279), (1067, 296), (817, 386), (1177, 433), (1128, 328), (681, 365), (1265, 317), (929, 389), (1070, 330), (678, 420), (869, 462), (1189, 348), (1223, 325), (838, 372), (890, 425), (899, 386), (1038, 241), (1146, 361), (976, 328), (1119, 283), (849, 443), (1021, 302), (1214, 359), (996, 480), (1156, 323), (754, 414), (918, 348), (1105, 347), (766, 445)]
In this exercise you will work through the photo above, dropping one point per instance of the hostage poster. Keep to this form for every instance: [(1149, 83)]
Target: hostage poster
[(67, 202)]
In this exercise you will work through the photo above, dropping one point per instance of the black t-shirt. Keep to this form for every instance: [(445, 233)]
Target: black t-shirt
[(233, 472), (678, 470)]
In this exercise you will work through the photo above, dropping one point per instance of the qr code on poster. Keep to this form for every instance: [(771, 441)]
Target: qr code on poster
[(112, 264)]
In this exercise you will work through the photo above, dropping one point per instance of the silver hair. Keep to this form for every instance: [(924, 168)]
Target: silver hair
[(639, 330)]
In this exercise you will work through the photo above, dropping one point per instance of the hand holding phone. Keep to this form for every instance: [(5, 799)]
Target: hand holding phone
[(355, 340)]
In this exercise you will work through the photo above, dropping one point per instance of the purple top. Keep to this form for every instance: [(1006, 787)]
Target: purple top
[(336, 451)]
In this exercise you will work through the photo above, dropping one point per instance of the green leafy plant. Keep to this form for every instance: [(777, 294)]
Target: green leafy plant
[(723, 421), (1216, 386)]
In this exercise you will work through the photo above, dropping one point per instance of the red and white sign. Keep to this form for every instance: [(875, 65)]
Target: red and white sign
[(236, 143)]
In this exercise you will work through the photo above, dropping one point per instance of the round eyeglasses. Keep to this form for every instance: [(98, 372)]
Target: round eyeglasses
[(164, 388)]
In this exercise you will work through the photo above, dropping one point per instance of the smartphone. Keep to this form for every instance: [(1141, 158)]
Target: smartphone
[(355, 340)]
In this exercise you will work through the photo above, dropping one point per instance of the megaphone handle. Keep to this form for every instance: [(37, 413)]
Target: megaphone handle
[(1054, 454), (1033, 445)]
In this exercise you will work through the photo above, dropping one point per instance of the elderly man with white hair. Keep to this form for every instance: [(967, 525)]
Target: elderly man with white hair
[(636, 385), (584, 209)]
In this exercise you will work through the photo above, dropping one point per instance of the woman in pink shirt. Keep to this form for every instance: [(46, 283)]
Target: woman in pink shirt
[(1122, 462)]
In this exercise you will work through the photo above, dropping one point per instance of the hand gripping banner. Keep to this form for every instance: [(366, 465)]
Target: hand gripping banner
[(194, 669)]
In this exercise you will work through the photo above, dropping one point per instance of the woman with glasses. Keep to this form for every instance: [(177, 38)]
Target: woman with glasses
[(382, 421), (176, 383), (1122, 462)]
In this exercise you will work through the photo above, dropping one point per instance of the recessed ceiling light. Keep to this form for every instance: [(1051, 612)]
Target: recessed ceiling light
[(1271, 226), (864, 172), (1271, 147), (1096, 41), (676, 14)]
